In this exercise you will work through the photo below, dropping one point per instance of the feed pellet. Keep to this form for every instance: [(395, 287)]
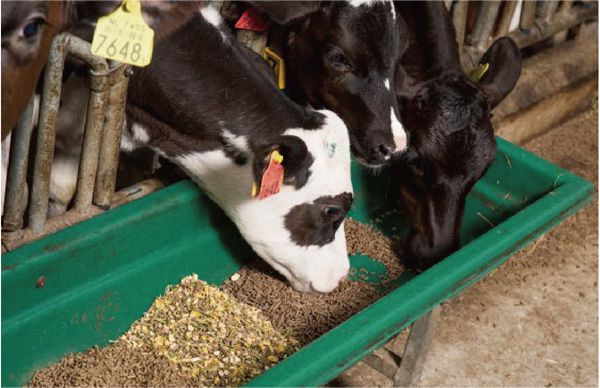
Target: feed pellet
[(196, 335), (307, 316)]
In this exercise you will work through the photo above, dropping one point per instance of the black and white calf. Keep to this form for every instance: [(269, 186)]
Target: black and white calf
[(205, 105), (342, 55)]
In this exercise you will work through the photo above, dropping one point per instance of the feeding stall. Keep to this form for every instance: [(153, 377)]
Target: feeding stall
[(81, 279)]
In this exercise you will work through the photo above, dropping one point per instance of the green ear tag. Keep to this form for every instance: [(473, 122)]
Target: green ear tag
[(479, 71)]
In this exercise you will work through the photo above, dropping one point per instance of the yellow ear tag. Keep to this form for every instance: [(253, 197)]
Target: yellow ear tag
[(124, 36), (277, 64), (479, 71)]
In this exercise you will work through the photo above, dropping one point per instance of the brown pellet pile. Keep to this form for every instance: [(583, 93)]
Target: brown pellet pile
[(195, 335), (117, 365), (307, 316)]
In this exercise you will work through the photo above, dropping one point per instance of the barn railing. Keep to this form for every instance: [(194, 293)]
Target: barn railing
[(99, 158), (527, 22)]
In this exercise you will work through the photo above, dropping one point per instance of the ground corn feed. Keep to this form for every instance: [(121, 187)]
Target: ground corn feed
[(193, 335)]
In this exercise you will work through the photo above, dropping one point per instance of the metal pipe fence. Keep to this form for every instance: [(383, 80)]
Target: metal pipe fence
[(527, 22), (100, 145)]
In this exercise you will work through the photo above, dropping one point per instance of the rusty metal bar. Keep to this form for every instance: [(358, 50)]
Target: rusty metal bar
[(81, 49), (94, 122), (136, 191), (560, 22), (88, 163), (459, 19), (484, 24), (506, 17), (528, 14), (448, 4), (38, 208), (409, 372), (540, 30), (16, 196), (108, 158), (546, 9), (73, 217)]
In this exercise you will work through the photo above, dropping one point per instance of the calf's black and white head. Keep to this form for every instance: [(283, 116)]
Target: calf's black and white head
[(342, 56), (220, 120)]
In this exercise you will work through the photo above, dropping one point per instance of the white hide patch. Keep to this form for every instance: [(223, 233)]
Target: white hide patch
[(135, 139), (398, 132), (63, 183), (261, 222), (212, 16), (240, 143), (393, 10), (358, 3), (386, 83)]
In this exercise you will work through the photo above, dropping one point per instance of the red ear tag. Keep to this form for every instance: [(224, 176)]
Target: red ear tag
[(272, 178), (252, 20)]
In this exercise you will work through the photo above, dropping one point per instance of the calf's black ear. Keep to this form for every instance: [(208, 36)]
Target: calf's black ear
[(283, 12), (296, 160), (504, 59)]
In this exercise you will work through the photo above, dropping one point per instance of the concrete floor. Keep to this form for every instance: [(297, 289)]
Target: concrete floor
[(534, 321)]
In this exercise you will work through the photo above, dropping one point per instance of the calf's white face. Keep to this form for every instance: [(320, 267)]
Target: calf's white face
[(298, 231)]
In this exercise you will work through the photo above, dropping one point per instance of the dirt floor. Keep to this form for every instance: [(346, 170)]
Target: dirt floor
[(533, 322)]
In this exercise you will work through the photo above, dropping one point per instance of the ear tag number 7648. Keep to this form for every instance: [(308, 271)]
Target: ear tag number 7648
[(124, 36)]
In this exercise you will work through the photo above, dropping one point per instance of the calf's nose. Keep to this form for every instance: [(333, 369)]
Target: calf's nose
[(383, 152), (331, 283)]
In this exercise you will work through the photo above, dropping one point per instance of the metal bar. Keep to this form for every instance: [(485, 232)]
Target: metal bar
[(16, 196), (505, 18), (81, 49), (386, 368), (560, 22), (484, 25), (91, 145), (38, 208), (540, 31), (413, 359), (448, 4), (94, 122), (136, 191), (528, 14), (546, 9), (459, 19), (73, 217), (108, 158)]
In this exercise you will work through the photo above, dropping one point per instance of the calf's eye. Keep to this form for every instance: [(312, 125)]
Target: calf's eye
[(338, 61), (32, 28)]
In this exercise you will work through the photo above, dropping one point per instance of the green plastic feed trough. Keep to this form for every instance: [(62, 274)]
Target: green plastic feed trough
[(104, 273)]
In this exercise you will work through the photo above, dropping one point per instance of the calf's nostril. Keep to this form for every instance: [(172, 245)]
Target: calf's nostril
[(384, 151)]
